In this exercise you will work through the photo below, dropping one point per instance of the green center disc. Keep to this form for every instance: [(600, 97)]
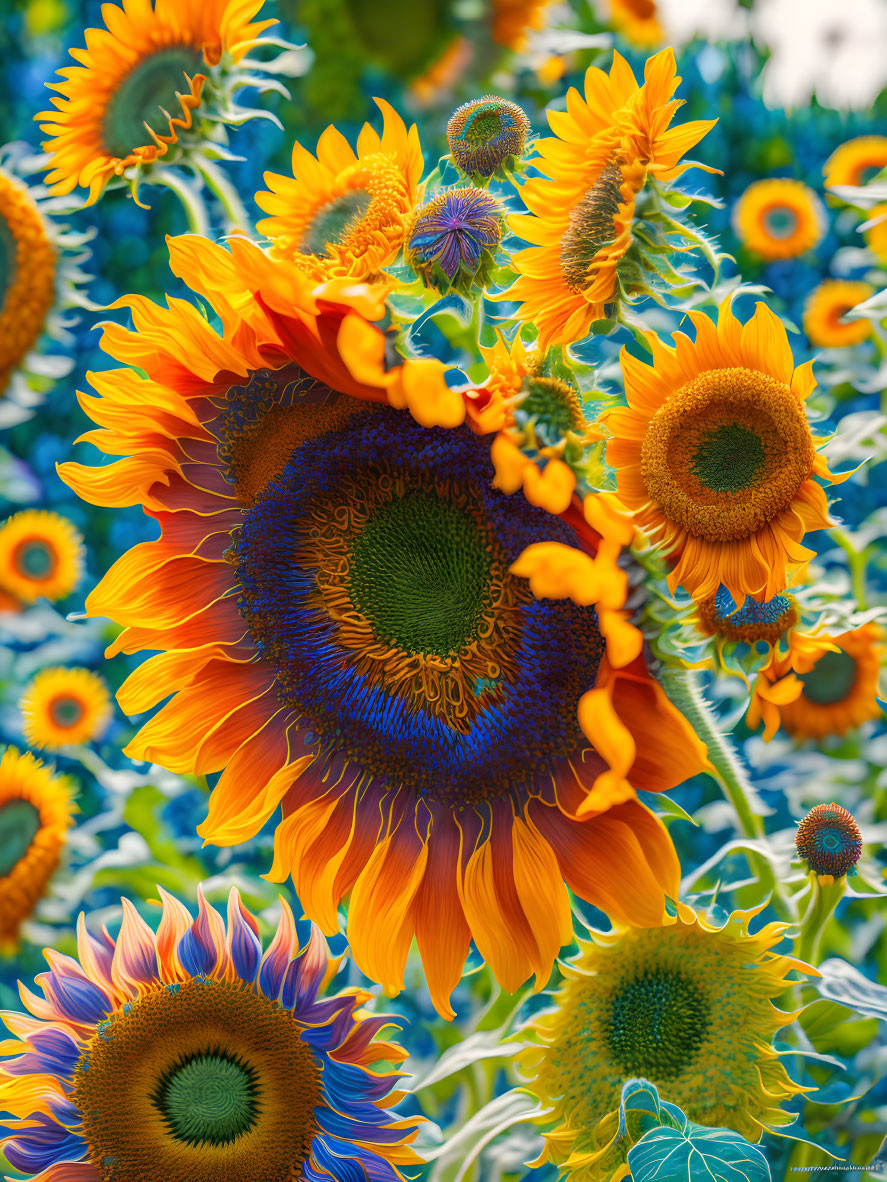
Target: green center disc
[(19, 823), (830, 680), (144, 95), (211, 1099), (729, 458), (66, 711), (553, 404), (781, 223), (657, 1024), (420, 571), (332, 221), (35, 560)]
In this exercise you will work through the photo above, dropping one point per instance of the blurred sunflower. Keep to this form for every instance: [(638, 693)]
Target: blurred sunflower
[(605, 146), (826, 306), (192, 1055), (779, 219), (334, 610), (637, 21), (62, 707), (715, 456), (139, 82), (344, 213), (40, 281), (512, 20), (856, 161), (41, 554), (832, 691), (36, 810), (689, 1007)]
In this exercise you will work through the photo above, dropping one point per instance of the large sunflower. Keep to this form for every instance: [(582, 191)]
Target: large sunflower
[(688, 1006), (138, 84), (715, 456), (828, 691), (581, 213), (335, 613), (194, 1055), (345, 213), (36, 809)]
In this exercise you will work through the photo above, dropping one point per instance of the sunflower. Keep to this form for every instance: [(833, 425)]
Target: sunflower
[(62, 707), (825, 309), (637, 21), (40, 280), (582, 210), (453, 237), (856, 162), (687, 1006), (715, 456), (779, 219), (344, 213), (541, 431), (831, 693), (36, 808), (194, 1055), (487, 137), (333, 606), (41, 553), (829, 841), (139, 82), (513, 20)]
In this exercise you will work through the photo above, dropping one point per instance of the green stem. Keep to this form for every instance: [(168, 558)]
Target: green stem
[(226, 195), (857, 562), (191, 202), (824, 898)]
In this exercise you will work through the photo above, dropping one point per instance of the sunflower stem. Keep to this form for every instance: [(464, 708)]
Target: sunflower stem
[(191, 202), (825, 894), (226, 195), (682, 688)]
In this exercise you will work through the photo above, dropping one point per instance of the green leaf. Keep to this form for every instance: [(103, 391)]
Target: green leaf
[(697, 1155)]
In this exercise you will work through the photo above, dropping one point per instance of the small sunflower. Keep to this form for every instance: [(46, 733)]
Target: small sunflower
[(40, 281), (637, 21), (41, 554), (344, 213), (856, 161), (453, 237), (542, 434), (687, 1006), (193, 1054), (779, 219), (64, 707), (715, 456), (36, 810), (513, 20), (824, 311), (829, 841), (487, 137), (138, 85), (582, 211), (828, 695)]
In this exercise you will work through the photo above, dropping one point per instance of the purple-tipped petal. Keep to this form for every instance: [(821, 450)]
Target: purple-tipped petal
[(280, 952), (200, 949), (244, 945), (135, 957)]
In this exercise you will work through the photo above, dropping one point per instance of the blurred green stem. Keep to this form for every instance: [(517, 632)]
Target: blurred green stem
[(191, 202), (226, 195), (856, 560)]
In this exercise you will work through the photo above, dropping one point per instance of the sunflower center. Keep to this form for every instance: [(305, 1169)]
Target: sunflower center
[(657, 1024), (19, 824), (483, 133), (196, 1082), (780, 222), (829, 840), (754, 621), (553, 404), (420, 573), (727, 453), (592, 226), (35, 559), (66, 711), (485, 126), (831, 679), (334, 221), (147, 95), (212, 1098)]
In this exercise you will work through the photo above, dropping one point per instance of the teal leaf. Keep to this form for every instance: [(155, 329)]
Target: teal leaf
[(843, 983), (697, 1155)]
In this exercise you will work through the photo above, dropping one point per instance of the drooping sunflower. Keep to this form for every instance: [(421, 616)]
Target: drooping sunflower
[(856, 161), (830, 693), (637, 21), (138, 85), (194, 1055), (41, 554), (40, 281), (604, 147), (826, 306), (334, 609), (715, 456), (687, 1006), (63, 706), (779, 218), (36, 808), (345, 213)]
